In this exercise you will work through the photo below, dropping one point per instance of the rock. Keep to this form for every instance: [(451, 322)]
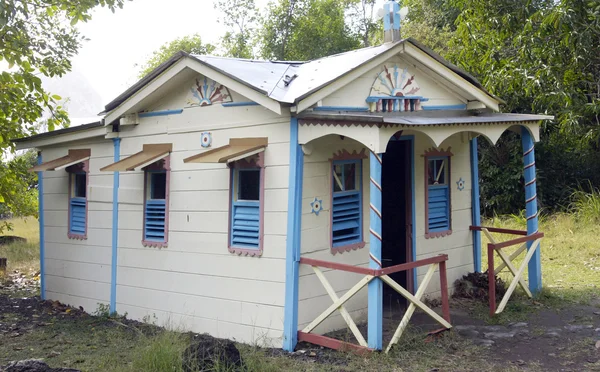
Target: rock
[(552, 334), (597, 330), (33, 365), (596, 312), (470, 333), (484, 342), (463, 327), (206, 353), (493, 328), (519, 325), (598, 344), (498, 335), (576, 328)]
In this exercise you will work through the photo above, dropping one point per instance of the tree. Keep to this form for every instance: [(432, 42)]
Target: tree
[(191, 44), (364, 21), (306, 30), (36, 37), (239, 17)]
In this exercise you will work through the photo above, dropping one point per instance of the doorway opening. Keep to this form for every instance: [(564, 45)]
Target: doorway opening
[(397, 225)]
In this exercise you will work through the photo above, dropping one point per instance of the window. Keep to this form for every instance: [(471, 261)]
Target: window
[(156, 209), (77, 203), (346, 214), (247, 192), (438, 211), (78, 182)]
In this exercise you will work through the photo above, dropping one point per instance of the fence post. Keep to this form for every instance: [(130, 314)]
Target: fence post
[(491, 280)]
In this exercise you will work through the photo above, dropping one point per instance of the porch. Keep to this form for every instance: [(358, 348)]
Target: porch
[(414, 248)]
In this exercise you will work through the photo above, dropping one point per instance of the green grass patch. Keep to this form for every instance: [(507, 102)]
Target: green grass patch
[(22, 254)]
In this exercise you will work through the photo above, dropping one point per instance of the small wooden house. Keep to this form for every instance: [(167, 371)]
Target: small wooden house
[(210, 184)]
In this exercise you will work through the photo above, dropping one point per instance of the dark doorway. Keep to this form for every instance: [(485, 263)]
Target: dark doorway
[(397, 217)]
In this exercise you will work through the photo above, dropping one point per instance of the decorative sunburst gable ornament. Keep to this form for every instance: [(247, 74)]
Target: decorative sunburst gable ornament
[(395, 89), (206, 92)]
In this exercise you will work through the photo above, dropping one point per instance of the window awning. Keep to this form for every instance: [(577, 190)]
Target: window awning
[(73, 157), (238, 148), (149, 154)]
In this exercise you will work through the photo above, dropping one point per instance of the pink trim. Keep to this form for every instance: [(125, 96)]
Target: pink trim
[(345, 155), (332, 343), (83, 166), (435, 152), (252, 162), (163, 164)]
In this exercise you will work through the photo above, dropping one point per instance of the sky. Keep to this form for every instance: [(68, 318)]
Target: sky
[(120, 41)]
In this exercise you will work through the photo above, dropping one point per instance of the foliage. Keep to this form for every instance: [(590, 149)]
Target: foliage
[(362, 17), (163, 352), (239, 17), (585, 204), (305, 30), (18, 187), (39, 37), (190, 44)]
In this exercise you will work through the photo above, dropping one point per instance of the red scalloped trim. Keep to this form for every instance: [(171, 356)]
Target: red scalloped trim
[(432, 151), (348, 248), (345, 155), (150, 244), (438, 234), (77, 236), (246, 252)]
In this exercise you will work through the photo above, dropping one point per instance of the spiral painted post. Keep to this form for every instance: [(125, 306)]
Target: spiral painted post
[(375, 323), (531, 208)]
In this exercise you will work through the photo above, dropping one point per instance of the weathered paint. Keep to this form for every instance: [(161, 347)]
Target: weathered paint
[(42, 230), (375, 323), (475, 206), (115, 229), (159, 113), (292, 258), (531, 209)]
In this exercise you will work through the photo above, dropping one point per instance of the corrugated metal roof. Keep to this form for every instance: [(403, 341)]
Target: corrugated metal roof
[(290, 81), (421, 118), (58, 132)]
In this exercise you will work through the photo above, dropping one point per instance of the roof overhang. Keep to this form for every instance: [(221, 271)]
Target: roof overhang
[(73, 157), (150, 153), (237, 149), (134, 101), (452, 77), (80, 132)]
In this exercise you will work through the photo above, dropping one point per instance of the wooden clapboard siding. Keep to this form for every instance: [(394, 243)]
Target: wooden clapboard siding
[(316, 237), (78, 271), (436, 93)]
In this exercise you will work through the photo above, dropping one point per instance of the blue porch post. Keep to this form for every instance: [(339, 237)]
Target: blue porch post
[(531, 209), (475, 206), (42, 230), (292, 254), (115, 229), (375, 320)]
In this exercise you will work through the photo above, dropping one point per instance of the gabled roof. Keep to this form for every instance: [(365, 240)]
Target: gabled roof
[(288, 82)]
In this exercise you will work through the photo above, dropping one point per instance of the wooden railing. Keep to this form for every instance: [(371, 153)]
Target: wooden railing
[(495, 246), (369, 275)]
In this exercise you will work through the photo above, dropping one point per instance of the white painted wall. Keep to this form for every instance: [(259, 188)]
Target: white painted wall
[(195, 283), (78, 271)]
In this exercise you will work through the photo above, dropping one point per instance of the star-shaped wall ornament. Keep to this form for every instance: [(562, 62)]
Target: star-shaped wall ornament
[(460, 184), (316, 206)]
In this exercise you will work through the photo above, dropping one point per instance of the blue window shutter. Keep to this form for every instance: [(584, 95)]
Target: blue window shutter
[(346, 219), (154, 220), (438, 204), (245, 225), (78, 216)]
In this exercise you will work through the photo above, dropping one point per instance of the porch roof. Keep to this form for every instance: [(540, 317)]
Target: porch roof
[(421, 118)]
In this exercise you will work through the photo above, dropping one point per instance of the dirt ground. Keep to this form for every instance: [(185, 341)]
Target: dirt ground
[(530, 336)]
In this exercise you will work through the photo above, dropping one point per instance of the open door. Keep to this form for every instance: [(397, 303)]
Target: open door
[(397, 217)]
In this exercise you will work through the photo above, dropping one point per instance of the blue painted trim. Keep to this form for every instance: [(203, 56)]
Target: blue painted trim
[(445, 107), (239, 104), (341, 108), (160, 113), (292, 256), (395, 10), (386, 19), (411, 139), (42, 230), (375, 295), (531, 209), (475, 205), (115, 229)]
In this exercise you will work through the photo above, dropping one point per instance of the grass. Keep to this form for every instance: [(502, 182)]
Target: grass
[(571, 274), (22, 256)]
